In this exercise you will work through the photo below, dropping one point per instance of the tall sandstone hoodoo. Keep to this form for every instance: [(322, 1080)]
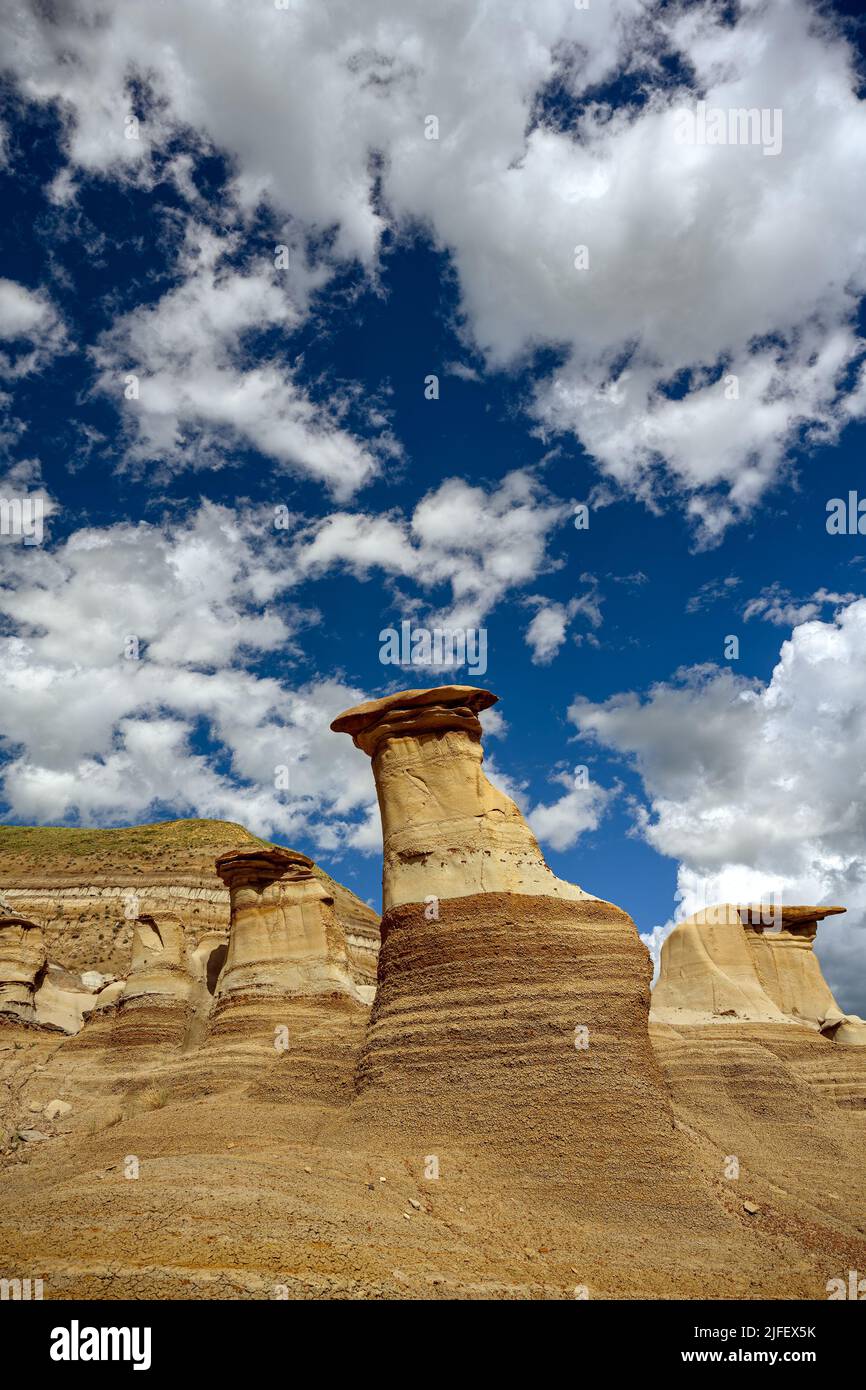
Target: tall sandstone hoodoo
[(447, 832), (762, 1063), (510, 1019), (287, 981), (508, 1126)]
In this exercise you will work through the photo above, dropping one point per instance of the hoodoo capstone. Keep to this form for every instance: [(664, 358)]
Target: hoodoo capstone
[(750, 963), (447, 831)]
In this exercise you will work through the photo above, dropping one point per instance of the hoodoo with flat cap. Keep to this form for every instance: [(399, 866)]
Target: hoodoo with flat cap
[(284, 939), (511, 1009), (447, 832)]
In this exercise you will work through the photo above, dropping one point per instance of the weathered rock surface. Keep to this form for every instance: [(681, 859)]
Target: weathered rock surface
[(22, 959), (285, 939), (739, 962), (447, 832), (510, 1025), (62, 1002), (87, 888), (155, 1005)]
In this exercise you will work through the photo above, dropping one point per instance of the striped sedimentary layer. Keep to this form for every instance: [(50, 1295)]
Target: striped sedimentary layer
[(515, 1027), (783, 1101)]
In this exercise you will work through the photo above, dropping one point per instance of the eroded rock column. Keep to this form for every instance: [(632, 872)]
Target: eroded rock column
[(744, 962), (446, 830), (510, 1018), (284, 939), (155, 1004)]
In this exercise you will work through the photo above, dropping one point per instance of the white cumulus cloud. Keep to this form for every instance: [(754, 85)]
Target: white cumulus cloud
[(755, 788)]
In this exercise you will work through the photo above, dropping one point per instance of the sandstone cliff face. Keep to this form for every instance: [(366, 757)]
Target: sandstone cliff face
[(732, 962), (22, 960), (447, 832), (87, 889)]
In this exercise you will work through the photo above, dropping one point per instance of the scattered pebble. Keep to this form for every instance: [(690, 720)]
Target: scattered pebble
[(55, 1109), (413, 1202), (31, 1136), (751, 1208)]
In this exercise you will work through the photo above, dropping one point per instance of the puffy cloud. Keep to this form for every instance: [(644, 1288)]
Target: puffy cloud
[(91, 732), (561, 823), (777, 605), (694, 256), (481, 543), (197, 392), (26, 504), (362, 80), (706, 262), (759, 788), (147, 638), (31, 330), (547, 631)]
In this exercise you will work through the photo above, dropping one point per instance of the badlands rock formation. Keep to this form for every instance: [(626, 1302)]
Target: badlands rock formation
[(285, 938), (510, 1018), (763, 1066), (746, 962), (505, 1123), (87, 888), (155, 1004), (447, 832)]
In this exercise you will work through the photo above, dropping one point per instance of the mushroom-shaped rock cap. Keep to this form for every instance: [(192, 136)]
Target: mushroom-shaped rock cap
[(249, 865), (789, 916), (440, 707)]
